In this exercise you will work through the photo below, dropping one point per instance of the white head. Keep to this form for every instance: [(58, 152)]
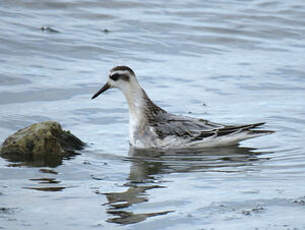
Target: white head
[(121, 77)]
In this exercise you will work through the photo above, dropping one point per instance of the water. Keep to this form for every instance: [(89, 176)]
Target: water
[(226, 61)]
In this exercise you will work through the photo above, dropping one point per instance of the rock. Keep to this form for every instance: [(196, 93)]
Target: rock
[(44, 140)]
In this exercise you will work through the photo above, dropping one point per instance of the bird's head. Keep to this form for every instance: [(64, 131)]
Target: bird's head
[(121, 77)]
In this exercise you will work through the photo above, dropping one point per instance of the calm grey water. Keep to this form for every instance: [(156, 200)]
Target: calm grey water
[(227, 61)]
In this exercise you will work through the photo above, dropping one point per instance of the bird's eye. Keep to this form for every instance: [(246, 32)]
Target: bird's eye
[(115, 76)]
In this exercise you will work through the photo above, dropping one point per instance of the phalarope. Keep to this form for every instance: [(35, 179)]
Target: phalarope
[(152, 127)]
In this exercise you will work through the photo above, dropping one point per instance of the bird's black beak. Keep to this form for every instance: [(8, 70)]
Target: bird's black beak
[(103, 89)]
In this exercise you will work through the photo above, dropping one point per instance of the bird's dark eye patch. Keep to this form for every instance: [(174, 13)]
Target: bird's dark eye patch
[(117, 76)]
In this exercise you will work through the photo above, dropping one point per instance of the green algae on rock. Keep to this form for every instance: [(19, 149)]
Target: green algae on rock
[(44, 140)]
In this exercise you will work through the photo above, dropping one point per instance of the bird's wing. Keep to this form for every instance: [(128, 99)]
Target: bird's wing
[(182, 126), (230, 130), (196, 129)]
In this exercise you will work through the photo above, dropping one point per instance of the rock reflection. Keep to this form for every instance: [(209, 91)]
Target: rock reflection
[(147, 164), (50, 171), (46, 181), (52, 161), (46, 189)]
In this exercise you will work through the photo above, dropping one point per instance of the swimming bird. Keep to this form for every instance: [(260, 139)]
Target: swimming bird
[(152, 127)]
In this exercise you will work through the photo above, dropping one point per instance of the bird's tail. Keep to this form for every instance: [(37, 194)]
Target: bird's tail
[(256, 132)]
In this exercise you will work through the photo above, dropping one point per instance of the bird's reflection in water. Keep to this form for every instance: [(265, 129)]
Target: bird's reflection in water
[(136, 193), (148, 165)]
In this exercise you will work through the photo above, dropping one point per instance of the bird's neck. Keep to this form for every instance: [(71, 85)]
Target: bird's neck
[(142, 113), (141, 108), (134, 97)]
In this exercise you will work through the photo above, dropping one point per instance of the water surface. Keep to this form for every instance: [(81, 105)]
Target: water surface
[(227, 61)]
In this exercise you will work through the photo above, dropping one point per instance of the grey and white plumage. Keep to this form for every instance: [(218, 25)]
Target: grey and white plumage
[(152, 127)]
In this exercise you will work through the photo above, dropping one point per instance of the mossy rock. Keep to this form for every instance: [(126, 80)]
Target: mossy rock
[(41, 140)]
